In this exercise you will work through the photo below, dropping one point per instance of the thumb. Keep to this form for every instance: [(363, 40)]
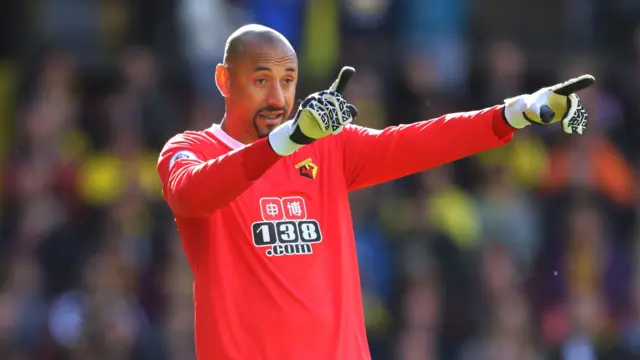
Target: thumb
[(340, 84)]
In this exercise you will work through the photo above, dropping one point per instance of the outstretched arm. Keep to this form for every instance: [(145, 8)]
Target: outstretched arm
[(376, 156)]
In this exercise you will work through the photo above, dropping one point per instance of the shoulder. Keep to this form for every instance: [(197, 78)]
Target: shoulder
[(192, 145), (206, 141), (190, 139)]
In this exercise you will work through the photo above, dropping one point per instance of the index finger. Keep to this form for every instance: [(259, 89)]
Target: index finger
[(574, 85), (340, 84)]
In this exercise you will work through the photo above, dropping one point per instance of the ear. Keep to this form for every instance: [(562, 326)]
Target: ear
[(222, 80)]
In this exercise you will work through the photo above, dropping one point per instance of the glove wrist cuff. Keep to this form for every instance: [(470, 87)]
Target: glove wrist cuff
[(514, 115), (280, 140)]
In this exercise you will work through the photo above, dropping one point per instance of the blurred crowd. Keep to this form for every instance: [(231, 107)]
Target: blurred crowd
[(527, 252)]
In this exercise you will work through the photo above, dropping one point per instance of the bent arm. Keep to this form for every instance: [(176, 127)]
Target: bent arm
[(376, 156), (196, 187)]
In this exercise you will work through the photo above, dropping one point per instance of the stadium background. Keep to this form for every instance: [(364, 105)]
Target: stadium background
[(526, 252)]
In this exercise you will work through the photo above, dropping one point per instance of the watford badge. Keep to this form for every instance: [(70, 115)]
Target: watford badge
[(307, 169)]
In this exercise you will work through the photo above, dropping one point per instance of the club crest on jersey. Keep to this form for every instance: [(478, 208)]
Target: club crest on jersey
[(285, 228), (307, 169)]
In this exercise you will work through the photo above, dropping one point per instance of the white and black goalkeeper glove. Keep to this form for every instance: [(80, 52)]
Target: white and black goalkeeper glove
[(321, 114), (558, 103)]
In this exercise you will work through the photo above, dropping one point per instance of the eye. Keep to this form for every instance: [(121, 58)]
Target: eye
[(261, 81), (288, 80)]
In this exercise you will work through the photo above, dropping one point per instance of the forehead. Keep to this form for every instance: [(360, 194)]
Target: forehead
[(270, 55)]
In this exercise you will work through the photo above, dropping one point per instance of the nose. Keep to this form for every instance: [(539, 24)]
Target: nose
[(276, 97)]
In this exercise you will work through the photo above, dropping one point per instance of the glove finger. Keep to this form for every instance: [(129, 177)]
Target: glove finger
[(567, 128), (320, 114), (340, 84), (332, 104), (579, 119), (353, 110), (574, 85), (343, 111)]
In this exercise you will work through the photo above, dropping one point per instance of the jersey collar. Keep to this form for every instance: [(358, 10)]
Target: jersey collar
[(225, 138)]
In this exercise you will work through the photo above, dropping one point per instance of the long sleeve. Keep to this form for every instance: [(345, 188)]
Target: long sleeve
[(195, 187), (375, 156)]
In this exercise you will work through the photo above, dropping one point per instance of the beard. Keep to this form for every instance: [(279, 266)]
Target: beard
[(265, 130)]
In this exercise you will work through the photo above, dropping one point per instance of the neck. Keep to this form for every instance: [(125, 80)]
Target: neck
[(243, 134)]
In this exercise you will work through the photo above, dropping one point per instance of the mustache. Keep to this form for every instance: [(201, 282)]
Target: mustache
[(284, 109), (272, 109)]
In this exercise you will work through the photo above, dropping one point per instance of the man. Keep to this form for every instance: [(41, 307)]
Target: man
[(261, 203)]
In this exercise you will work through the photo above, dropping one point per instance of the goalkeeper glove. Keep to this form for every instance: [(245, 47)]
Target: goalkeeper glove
[(558, 103), (319, 115)]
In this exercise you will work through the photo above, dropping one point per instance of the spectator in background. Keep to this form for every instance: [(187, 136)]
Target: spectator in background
[(630, 325), (507, 335), (503, 72), (40, 183), (589, 336), (101, 319), (450, 209), (205, 26), (179, 319), (590, 273), (143, 105), (434, 29), (508, 214), (377, 270), (420, 316), (23, 310), (76, 25), (285, 16)]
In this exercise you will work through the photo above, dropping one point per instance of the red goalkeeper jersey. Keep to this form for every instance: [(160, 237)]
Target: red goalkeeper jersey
[(270, 241)]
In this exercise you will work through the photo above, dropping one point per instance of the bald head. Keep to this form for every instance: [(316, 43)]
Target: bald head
[(250, 38), (258, 79)]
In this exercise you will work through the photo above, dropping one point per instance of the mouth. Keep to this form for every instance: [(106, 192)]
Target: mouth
[(271, 117)]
